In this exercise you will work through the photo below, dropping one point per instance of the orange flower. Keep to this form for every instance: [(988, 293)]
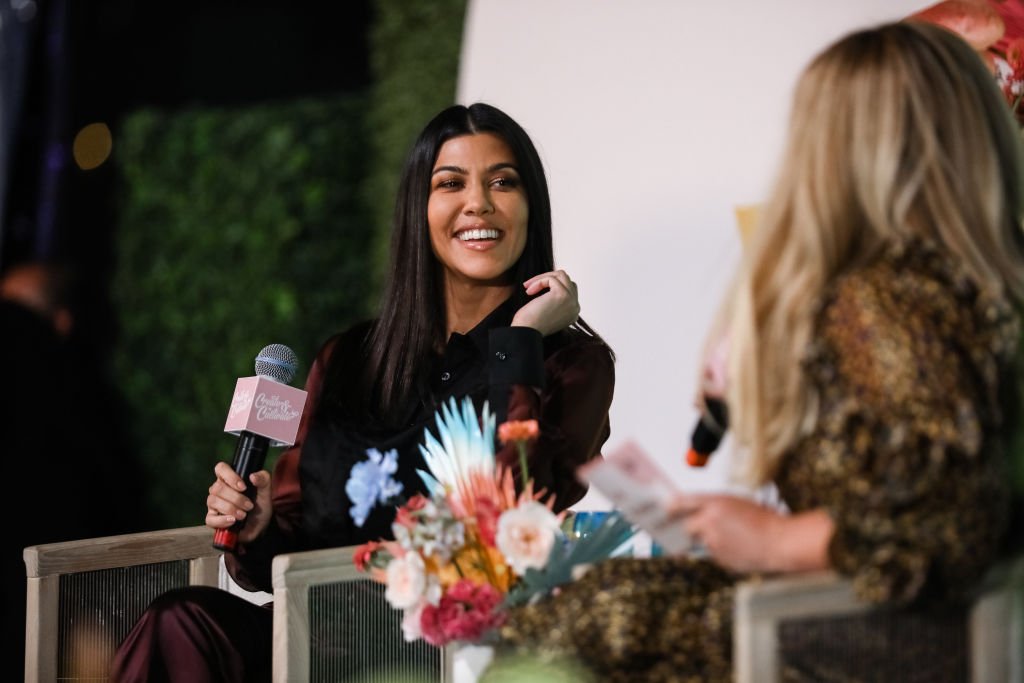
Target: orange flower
[(518, 430), (476, 563)]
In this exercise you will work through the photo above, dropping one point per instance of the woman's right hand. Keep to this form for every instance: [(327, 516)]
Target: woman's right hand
[(555, 309), (228, 503)]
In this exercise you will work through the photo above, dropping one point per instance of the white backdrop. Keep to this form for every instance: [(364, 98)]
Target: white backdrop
[(654, 119)]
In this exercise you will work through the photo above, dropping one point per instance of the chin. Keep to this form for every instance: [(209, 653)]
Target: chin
[(485, 278)]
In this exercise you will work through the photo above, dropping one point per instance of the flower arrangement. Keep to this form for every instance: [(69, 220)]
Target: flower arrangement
[(473, 546), (995, 29)]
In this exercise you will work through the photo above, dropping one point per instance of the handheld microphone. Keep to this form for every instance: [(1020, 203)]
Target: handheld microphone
[(264, 412), (708, 432)]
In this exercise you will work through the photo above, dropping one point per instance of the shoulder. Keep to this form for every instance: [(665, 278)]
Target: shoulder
[(574, 346), (917, 291), (358, 332), (347, 343), (888, 325)]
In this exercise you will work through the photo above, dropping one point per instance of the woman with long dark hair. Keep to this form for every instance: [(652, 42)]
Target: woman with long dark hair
[(473, 307)]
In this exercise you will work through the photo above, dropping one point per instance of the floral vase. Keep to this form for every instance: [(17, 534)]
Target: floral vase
[(468, 661)]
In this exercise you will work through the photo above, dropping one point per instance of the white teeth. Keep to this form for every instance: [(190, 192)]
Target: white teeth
[(479, 234)]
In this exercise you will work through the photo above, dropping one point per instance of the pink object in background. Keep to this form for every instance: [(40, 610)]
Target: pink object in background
[(267, 408), (977, 21)]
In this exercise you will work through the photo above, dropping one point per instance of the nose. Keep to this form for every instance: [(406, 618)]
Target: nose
[(478, 200)]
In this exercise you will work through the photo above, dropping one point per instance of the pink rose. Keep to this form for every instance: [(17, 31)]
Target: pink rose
[(406, 581)]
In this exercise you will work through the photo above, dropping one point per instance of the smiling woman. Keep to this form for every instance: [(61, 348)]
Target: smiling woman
[(477, 212), (473, 307)]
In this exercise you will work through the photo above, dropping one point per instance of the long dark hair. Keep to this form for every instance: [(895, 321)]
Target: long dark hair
[(411, 323)]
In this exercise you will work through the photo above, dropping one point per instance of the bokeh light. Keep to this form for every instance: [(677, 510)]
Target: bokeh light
[(92, 146)]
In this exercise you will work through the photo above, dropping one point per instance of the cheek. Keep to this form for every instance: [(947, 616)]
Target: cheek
[(437, 224), (521, 233)]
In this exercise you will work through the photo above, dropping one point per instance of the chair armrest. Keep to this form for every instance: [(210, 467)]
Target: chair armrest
[(126, 550)]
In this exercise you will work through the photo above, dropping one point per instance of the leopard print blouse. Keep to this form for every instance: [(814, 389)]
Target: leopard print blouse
[(911, 363)]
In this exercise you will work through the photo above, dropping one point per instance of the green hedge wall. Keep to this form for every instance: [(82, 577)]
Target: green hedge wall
[(267, 224), (414, 60), (238, 229)]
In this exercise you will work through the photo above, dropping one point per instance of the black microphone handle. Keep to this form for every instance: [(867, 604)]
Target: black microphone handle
[(250, 454), (708, 432)]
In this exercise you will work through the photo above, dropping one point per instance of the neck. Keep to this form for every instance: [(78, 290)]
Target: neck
[(466, 305)]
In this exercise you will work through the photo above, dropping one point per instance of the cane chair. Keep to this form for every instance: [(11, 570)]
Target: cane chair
[(811, 627), (84, 596), (330, 622)]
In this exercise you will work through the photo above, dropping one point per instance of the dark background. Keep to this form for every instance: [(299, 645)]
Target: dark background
[(96, 60), (256, 147)]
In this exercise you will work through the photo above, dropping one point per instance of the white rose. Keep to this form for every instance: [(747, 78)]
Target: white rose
[(411, 628), (406, 581), (526, 534)]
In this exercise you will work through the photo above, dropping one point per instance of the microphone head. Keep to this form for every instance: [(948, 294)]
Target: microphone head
[(278, 362)]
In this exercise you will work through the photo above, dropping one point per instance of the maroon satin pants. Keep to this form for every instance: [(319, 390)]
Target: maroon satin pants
[(197, 634)]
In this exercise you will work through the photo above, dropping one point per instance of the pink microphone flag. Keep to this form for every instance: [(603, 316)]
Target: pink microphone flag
[(265, 407)]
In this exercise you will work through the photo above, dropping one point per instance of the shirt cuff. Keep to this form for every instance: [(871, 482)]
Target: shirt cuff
[(516, 356)]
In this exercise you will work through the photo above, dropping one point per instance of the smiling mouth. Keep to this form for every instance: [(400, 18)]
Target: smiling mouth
[(478, 234)]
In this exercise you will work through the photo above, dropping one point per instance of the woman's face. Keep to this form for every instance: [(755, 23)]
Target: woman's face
[(477, 209)]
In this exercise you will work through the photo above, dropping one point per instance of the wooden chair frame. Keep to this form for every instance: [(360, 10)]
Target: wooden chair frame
[(45, 564), (294, 575), (996, 618), (996, 628)]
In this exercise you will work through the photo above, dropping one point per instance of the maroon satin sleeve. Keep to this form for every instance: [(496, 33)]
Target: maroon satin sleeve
[(572, 412), (250, 565)]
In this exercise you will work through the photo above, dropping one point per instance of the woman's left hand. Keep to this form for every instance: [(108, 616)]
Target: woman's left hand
[(555, 309), (744, 536), (736, 532)]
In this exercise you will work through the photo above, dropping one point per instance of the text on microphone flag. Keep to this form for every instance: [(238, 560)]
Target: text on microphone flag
[(267, 408)]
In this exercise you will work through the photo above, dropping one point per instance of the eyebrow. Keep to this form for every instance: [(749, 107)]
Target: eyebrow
[(490, 169)]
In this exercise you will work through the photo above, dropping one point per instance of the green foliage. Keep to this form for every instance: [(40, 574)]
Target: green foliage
[(414, 59), (238, 228), (249, 226)]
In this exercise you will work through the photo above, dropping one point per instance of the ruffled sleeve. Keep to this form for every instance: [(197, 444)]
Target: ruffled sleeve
[(907, 452)]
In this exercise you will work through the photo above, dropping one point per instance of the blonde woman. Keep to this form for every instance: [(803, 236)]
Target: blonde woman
[(873, 333)]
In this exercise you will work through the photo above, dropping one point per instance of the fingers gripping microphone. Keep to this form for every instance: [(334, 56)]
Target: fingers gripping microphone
[(708, 432), (264, 412)]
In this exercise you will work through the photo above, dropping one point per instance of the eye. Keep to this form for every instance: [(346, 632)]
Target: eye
[(448, 184), (506, 182)]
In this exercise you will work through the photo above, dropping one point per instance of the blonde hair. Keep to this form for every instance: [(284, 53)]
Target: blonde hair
[(896, 131)]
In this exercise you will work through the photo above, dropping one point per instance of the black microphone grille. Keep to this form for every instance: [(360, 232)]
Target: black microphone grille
[(277, 362)]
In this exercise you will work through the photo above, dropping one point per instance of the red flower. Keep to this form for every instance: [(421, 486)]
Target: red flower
[(404, 516), (466, 612), (364, 554), (417, 502)]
